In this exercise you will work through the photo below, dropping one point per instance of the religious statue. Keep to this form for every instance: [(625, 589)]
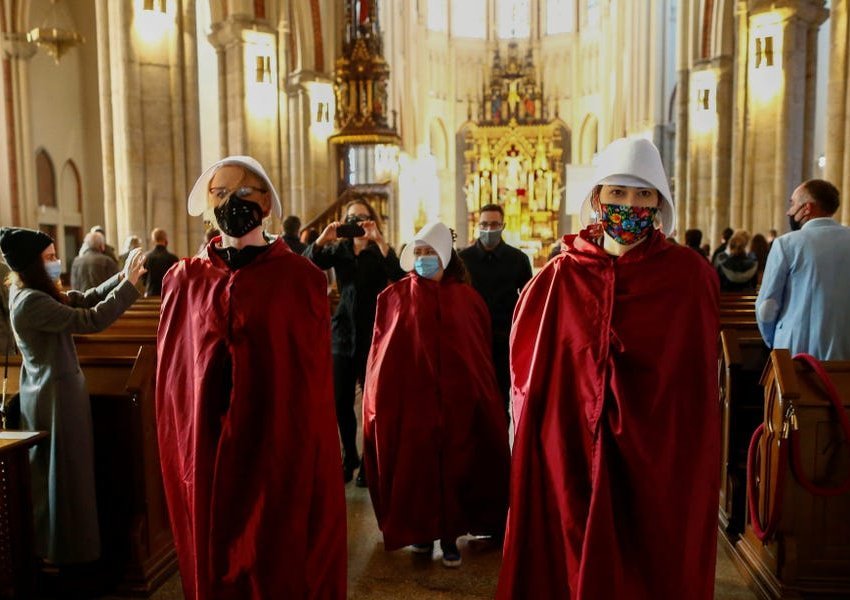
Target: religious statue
[(496, 106), (513, 98)]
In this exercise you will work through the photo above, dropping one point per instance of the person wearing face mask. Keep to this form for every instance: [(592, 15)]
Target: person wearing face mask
[(247, 442), (498, 271), (614, 481), (364, 266), (53, 392), (434, 430), (803, 299)]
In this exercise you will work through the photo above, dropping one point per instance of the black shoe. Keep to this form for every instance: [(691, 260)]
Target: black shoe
[(347, 473), (361, 477)]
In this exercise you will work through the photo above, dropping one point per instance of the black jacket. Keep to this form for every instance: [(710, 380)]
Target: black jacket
[(359, 279), (157, 262), (738, 274), (498, 275)]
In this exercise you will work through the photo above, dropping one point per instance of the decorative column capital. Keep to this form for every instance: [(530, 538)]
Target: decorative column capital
[(810, 11), (232, 30)]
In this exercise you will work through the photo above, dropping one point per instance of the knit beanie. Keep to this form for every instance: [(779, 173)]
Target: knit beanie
[(22, 247)]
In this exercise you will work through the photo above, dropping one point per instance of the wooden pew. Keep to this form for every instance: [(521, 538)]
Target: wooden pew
[(809, 556), (742, 361), (137, 547), (18, 564), (109, 344)]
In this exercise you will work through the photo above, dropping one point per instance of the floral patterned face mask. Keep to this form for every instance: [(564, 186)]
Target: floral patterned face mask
[(628, 224)]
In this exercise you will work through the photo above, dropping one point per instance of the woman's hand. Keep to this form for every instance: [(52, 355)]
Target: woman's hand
[(328, 235), (134, 268), (373, 234)]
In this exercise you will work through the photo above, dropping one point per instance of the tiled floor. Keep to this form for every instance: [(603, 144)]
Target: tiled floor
[(377, 575)]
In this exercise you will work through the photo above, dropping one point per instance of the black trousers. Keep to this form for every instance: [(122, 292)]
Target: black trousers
[(348, 372), (502, 364)]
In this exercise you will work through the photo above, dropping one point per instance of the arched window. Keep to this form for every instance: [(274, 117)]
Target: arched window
[(469, 18), (560, 16), (438, 15), (593, 13), (71, 188), (513, 18), (45, 177)]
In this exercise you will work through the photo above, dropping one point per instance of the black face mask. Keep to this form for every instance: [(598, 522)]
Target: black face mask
[(793, 223), (236, 216)]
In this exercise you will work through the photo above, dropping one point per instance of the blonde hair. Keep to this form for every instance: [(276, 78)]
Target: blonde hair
[(737, 244)]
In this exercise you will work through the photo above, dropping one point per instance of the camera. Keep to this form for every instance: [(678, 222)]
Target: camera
[(350, 230)]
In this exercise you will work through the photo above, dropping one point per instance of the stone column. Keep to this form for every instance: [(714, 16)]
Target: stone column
[(149, 124), (680, 184), (721, 164), (838, 106), (776, 120), (249, 92), (17, 210)]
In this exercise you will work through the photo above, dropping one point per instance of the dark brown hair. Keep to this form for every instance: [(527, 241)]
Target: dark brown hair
[(456, 269), (35, 277), (492, 207), (365, 203), (824, 194)]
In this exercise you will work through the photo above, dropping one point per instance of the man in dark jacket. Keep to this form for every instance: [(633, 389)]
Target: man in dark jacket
[(158, 261), (498, 273), (291, 225)]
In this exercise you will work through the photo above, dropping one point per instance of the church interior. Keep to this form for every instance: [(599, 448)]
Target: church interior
[(430, 109)]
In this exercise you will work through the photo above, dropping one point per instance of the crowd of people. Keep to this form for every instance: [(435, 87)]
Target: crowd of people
[(605, 361)]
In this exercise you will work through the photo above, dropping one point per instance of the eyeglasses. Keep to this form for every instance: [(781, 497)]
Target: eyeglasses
[(241, 192), (357, 218), (490, 225)]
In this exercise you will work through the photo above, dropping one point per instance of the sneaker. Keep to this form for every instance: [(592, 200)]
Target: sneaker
[(423, 548), (451, 555)]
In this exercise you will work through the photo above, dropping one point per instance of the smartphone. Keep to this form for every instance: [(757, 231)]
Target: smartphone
[(350, 230)]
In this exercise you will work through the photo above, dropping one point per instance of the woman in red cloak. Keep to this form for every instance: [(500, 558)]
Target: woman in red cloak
[(614, 484), (245, 413), (434, 428)]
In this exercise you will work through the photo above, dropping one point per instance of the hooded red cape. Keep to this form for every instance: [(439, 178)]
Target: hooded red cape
[(247, 434), (435, 432), (615, 473)]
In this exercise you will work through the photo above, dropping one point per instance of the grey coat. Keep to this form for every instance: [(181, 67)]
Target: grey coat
[(54, 398), (90, 269)]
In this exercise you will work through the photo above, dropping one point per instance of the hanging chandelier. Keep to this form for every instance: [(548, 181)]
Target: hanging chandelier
[(52, 36)]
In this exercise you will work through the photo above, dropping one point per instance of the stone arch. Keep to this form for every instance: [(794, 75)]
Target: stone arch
[(588, 139), (306, 43), (70, 188), (438, 143), (45, 176)]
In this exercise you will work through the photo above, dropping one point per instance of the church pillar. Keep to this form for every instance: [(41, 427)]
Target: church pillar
[(781, 58), (680, 184), (838, 106), (249, 97), (149, 139), (21, 206), (721, 164)]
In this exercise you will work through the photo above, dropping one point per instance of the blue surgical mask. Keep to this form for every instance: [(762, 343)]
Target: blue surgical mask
[(427, 266), (54, 269), (491, 238)]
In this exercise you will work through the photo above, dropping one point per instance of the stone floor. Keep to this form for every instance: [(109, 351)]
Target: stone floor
[(377, 575)]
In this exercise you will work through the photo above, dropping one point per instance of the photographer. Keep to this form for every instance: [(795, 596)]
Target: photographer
[(364, 264)]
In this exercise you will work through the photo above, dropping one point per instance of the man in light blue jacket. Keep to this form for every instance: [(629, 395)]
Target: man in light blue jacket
[(805, 292)]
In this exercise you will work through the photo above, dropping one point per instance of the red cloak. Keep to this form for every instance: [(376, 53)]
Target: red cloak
[(247, 433), (614, 487), (435, 432)]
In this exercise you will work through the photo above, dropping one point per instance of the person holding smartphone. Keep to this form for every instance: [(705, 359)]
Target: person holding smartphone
[(364, 265)]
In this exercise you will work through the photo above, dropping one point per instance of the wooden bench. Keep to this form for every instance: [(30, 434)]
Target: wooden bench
[(742, 363), (137, 547), (809, 556), (109, 344), (18, 564)]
